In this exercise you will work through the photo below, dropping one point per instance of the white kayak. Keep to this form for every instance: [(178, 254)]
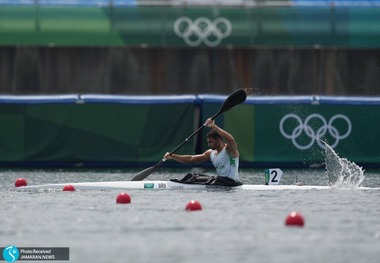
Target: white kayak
[(169, 185)]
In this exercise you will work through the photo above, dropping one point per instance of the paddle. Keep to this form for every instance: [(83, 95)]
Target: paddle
[(234, 99)]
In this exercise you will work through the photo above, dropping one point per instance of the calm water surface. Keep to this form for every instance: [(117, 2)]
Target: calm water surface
[(234, 226)]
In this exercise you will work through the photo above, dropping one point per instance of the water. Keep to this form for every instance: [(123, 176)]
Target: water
[(341, 225), (341, 172)]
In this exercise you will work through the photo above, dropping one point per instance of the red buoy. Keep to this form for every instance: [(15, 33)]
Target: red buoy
[(193, 205), (123, 198), (295, 219), (68, 188), (20, 182)]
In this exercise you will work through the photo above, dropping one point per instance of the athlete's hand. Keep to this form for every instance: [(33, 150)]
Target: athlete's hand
[(210, 123), (167, 156)]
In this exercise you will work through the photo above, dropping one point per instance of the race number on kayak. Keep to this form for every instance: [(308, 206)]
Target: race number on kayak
[(273, 176)]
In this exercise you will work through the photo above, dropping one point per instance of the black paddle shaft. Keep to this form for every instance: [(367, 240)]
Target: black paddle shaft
[(234, 99)]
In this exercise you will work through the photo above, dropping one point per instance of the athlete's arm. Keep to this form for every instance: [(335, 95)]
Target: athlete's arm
[(198, 158)]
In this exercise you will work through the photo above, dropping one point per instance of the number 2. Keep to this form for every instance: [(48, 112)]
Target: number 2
[(274, 174)]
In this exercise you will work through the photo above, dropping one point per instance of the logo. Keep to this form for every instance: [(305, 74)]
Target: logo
[(11, 254), (313, 129), (202, 30), (149, 185)]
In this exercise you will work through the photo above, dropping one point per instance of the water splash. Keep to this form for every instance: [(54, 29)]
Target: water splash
[(341, 172)]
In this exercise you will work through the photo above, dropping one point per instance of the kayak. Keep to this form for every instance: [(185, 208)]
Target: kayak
[(169, 185)]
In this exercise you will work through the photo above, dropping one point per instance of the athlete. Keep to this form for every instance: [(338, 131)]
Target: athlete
[(223, 154)]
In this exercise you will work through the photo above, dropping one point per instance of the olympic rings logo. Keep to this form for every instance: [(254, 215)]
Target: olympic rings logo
[(202, 30), (315, 127)]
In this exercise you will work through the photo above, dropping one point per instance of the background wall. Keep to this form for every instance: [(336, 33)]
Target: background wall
[(165, 47), (96, 130), (76, 130), (134, 70), (128, 47)]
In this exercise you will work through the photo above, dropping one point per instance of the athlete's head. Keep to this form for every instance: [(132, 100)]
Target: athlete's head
[(214, 139)]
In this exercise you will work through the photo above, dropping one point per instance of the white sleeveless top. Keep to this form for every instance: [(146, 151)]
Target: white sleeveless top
[(225, 165)]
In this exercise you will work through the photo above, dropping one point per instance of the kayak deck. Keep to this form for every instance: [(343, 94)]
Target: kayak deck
[(169, 185)]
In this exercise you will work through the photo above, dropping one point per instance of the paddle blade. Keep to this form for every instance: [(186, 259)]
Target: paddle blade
[(144, 174), (234, 99)]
